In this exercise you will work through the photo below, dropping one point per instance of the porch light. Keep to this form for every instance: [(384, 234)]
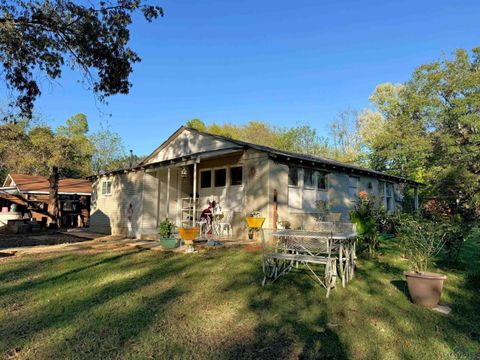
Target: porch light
[(184, 172)]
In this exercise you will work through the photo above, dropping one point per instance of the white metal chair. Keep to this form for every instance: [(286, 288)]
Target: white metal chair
[(226, 225)]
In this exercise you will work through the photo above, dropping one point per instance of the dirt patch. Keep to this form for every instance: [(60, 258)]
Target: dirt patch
[(20, 240)]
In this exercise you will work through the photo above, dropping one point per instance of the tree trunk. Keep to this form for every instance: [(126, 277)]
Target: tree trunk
[(53, 196)]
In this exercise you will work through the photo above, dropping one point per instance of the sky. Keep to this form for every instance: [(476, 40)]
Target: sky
[(286, 63)]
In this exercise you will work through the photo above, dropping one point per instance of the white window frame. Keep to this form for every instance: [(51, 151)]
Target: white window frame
[(104, 184), (301, 187), (357, 187)]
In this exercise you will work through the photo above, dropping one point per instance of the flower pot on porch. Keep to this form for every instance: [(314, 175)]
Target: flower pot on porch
[(189, 234), (425, 288), (255, 222), (168, 243)]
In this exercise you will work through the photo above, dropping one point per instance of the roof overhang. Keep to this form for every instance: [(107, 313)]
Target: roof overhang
[(175, 162)]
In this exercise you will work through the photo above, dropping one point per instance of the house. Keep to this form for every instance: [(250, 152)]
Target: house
[(241, 177), (28, 196)]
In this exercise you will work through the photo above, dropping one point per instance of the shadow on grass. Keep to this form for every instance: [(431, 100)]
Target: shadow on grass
[(88, 331)]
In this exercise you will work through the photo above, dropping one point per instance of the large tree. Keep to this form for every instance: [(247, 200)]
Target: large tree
[(39, 150), (38, 38), (429, 129)]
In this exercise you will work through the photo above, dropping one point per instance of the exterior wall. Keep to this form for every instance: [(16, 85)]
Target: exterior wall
[(187, 143), (338, 195), (108, 212)]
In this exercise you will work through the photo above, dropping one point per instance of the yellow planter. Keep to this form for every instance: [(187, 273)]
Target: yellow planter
[(255, 222), (189, 234)]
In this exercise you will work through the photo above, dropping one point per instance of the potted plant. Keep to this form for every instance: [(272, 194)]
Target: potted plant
[(422, 240), (188, 234), (167, 240)]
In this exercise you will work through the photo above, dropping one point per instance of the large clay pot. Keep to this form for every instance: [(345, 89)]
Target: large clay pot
[(168, 243), (425, 288), (189, 234), (255, 222)]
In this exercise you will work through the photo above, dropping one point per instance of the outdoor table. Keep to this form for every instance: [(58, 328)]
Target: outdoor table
[(344, 240)]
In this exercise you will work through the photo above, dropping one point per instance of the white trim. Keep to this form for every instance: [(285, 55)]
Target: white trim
[(105, 195)]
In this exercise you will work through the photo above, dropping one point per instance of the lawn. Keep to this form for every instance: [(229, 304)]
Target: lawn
[(146, 304)]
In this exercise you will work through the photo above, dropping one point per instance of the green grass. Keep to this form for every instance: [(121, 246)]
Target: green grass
[(159, 305)]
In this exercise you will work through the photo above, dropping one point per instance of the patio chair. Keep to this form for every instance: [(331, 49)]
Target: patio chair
[(226, 225)]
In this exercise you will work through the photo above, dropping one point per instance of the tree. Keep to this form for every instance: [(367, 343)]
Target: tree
[(428, 129), (40, 37), (38, 150), (109, 150), (346, 142)]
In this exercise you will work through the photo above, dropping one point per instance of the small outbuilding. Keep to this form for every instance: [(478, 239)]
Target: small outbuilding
[(26, 196)]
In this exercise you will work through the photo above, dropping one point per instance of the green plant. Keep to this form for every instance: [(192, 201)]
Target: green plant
[(166, 228), (421, 240), (366, 217), (456, 232), (255, 214)]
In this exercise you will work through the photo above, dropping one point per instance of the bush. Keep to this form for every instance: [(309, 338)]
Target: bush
[(166, 228), (367, 215), (421, 240), (456, 233)]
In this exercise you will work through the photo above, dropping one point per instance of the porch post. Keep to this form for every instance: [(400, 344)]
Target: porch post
[(168, 193), (194, 217), (416, 198)]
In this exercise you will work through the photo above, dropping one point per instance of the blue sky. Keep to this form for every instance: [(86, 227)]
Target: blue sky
[(281, 62)]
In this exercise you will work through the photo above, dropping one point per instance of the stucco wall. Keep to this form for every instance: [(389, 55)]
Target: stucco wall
[(108, 212)]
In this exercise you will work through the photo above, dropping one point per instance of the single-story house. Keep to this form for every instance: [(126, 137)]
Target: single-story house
[(28, 196), (241, 177)]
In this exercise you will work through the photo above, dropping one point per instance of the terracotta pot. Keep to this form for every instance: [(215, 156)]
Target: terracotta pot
[(189, 234), (425, 288), (255, 222)]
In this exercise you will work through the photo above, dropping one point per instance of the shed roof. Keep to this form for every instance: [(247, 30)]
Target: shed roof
[(40, 184)]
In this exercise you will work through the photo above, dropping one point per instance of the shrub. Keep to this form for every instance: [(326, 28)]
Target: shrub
[(166, 228), (456, 232), (421, 240), (366, 215)]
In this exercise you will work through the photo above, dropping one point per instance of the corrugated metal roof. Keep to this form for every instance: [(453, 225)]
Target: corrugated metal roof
[(37, 183)]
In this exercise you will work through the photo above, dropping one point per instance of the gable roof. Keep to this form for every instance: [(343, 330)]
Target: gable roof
[(287, 156), (40, 184)]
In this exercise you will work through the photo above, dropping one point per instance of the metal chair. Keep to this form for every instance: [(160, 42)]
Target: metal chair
[(227, 224)]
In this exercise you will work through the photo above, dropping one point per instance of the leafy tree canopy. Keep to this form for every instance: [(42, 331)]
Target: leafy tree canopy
[(428, 129), (38, 38)]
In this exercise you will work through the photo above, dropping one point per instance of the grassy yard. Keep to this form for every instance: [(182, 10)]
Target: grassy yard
[(130, 304)]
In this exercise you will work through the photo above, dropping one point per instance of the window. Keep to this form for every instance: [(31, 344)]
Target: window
[(107, 188), (236, 175), (308, 178), (389, 197), (353, 186), (293, 176), (220, 177), (205, 179), (321, 181)]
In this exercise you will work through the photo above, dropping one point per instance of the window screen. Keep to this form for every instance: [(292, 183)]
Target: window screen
[(308, 179), (205, 179), (220, 177), (321, 181), (236, 175), (293, 176)]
